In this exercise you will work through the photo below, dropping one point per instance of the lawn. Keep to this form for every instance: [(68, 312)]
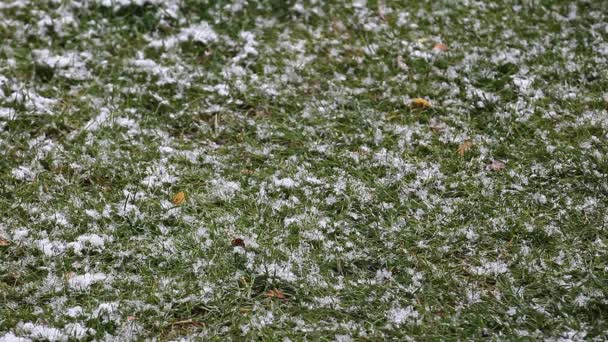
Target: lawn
[(303, 170)]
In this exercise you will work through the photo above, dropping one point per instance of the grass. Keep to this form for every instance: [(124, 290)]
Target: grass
[(319, 203)]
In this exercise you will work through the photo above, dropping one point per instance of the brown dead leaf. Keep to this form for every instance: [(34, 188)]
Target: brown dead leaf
[(247, 172), (238, 242), (496, 165), (463, 148), (4, 242), (274, 293), (420, 103), (178, 198), (131, 318)]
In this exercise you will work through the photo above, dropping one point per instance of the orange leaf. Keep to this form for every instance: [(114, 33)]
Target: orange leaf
[(440, 47), (275, 293), (178, 198), (4, 242), (420, 103), (465, 147)]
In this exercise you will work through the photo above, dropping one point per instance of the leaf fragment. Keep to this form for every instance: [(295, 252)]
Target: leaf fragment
[(238, 242), (4, 242), (179, 198), (274, 293), (464, 147), (440, 47), (420, 103)]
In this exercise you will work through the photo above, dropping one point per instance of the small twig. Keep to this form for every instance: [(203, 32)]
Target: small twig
[(188, 322)]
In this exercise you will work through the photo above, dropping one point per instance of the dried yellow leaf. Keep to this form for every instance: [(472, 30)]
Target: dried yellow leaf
[(178, 198), (4, 242), (275, 293), (465, 147), (420, 103)]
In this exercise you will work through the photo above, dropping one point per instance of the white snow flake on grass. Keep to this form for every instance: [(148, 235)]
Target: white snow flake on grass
[(224, 190), (71, 65), (491, 268), (51, 248), (201, 32), (84, 281), (10, 337), (311, 180), (284, 182), (24, 173), (42, 332), (407, 315)]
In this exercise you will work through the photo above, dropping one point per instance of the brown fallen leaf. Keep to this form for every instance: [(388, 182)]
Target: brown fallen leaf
[(496, 165), (178, 198), (4, 242), (238, 242), (463, 148), (274, 293), (247, 172), (420, 103), (131, 318)]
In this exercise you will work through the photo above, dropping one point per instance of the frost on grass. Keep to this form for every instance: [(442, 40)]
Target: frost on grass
[(407, 315), (84, 281), (389, 175)]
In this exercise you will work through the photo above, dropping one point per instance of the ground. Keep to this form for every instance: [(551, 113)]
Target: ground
[(303, 170)]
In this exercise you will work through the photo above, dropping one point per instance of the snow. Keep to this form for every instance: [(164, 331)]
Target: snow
[(401, 316), (42, 332), (84, 281), (24, 173), (10, 337), (201, 32), (224, 190), (491, 268)]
